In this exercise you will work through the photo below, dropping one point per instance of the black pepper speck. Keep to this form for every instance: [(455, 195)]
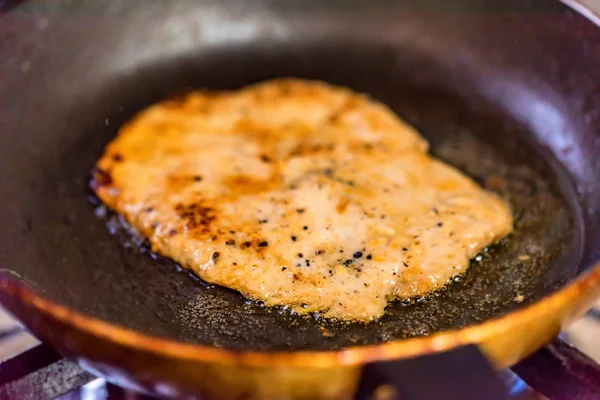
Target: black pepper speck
[(293, 238), (305, 227), (348, 262), (358, 254), (300, 255), (369, 257), (264, 243)]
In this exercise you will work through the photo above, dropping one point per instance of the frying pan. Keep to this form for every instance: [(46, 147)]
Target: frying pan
[(507, 91)]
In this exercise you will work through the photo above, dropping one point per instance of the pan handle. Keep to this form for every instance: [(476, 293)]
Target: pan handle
[(557, 371), (561, 372), (460, 374)]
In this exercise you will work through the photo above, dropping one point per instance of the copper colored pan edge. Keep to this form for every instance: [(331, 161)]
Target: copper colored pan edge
[(505, 340)]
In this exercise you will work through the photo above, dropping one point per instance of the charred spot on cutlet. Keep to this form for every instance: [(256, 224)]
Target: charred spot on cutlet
[(100, 178), (196, 216)]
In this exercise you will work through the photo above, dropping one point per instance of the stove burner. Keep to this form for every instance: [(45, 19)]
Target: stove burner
[(99, 389), (41, 373)]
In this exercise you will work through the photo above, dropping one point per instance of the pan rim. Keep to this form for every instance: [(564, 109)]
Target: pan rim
[(587, 284), (584, 10)]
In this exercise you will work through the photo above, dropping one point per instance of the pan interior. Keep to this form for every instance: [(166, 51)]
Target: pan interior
[(72, 258)]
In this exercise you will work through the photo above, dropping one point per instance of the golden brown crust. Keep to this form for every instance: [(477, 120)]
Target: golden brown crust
[(297, 193)]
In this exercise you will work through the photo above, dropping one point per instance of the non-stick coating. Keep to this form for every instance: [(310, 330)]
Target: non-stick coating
[(495, 103)]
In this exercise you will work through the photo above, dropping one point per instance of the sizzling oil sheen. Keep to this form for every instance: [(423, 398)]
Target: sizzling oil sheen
[(299, 194)]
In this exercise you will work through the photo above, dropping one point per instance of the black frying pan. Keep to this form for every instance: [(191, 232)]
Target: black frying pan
[(507, 91)]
